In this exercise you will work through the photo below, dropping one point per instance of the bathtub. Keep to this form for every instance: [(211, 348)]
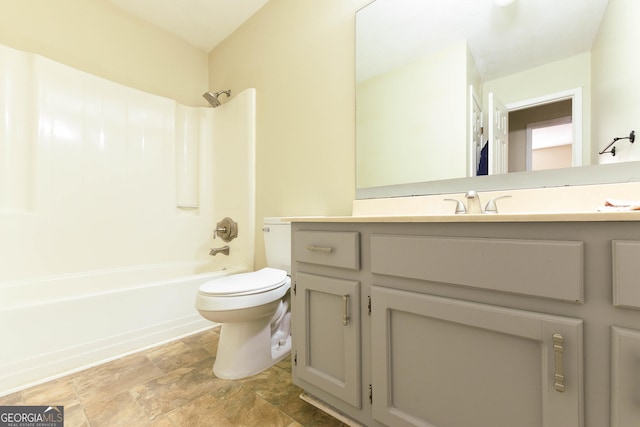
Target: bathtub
[(53, 326)]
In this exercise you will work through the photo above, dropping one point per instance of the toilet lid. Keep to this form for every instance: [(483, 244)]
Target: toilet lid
[(245, 283)]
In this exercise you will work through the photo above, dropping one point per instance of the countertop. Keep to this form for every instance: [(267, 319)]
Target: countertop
[(502, 217)]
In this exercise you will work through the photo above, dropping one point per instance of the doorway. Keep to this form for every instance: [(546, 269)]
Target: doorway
[(541, 137)]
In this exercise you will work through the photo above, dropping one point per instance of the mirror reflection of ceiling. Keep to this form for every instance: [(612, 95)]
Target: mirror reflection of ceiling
[(532, 32)]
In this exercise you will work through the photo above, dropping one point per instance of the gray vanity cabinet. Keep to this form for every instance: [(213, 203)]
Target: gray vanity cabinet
[(469, 324), (326, 304)]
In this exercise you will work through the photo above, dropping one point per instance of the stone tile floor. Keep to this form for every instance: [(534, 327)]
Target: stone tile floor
[(174, 385)]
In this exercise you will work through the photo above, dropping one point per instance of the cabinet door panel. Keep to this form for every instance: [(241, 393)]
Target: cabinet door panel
[(327, 337), (625, 377), (444, 362), (626, 269)]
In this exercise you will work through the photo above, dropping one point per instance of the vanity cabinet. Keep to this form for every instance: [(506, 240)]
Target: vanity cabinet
[(326, 304), (469, 324)]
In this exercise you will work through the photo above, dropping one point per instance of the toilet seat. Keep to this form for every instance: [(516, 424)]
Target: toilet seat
[(243, 291), (245, 283)]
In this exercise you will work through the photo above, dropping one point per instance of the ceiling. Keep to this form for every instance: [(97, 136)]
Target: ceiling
[(503, 40), (202, 23)]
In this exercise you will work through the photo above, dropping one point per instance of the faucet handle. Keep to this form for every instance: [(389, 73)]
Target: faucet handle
[(227, 229), (460, 208), (491, 207)]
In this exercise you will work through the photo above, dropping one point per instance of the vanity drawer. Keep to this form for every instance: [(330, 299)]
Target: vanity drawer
[(543, 268), (626, 273), (331, 248)]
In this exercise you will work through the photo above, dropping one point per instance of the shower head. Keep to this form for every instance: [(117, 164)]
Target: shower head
[(212, 98)]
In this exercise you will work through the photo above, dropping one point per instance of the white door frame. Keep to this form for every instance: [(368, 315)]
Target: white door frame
[(475, 134), (576, 111)]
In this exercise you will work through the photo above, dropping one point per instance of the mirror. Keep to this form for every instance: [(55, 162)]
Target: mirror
[(425, 71)]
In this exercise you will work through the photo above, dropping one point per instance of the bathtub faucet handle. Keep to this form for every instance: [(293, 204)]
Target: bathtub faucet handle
[(227, 229)]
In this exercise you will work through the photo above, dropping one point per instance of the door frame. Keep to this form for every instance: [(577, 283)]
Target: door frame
[(575, 95)]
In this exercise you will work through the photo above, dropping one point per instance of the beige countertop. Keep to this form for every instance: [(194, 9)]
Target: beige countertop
[(506, 217)]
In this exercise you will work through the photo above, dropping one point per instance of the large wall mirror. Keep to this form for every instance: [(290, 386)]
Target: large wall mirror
[(454, 95)]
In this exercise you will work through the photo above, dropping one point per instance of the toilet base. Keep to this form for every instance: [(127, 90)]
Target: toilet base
[(247, 348)]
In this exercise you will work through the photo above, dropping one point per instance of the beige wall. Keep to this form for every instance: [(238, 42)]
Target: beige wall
[(409, 105), (299, 55), (94, 36), (616, 92)]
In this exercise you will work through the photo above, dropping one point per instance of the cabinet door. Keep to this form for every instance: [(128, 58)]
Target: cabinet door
[(444, 362), (327, 342), (625, 377)]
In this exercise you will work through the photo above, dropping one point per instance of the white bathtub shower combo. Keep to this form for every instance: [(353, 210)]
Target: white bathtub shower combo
[(254, 309), (108, 200)]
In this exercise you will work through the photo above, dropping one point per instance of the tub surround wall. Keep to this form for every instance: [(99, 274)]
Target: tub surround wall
[(105, 191)]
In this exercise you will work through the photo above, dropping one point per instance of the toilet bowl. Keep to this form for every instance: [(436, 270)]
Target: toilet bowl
[(254, 310)]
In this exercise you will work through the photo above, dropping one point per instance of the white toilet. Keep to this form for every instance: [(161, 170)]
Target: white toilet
[(254, 309)]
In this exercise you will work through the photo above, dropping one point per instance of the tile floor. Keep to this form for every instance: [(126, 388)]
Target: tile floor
[(174, 385)]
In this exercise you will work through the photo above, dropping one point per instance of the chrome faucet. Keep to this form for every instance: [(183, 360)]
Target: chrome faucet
[(223, 250), (473, 202), (474, 206)]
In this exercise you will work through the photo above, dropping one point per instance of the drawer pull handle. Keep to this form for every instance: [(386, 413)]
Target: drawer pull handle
[(558, 349), (345, 310), (324, 249)]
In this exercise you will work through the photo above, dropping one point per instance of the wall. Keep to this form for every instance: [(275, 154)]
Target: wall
[(559, 76), (616, 92), (300, 57), (409, 105), (551, 158), (96, 37)]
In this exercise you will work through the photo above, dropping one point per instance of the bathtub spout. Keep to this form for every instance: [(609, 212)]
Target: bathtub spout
[(223, 250)]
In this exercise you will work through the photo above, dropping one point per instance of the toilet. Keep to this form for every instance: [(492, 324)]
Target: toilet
[(253, 308)]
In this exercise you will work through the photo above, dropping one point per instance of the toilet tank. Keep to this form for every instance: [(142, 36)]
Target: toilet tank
[(277, 243)]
